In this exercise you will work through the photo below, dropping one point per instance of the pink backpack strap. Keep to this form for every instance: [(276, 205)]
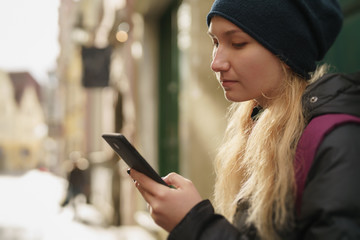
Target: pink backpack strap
[(308, 144)]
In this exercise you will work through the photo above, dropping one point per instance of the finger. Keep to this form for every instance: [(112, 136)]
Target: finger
[(149, 198), (176, 180), (146, 183)]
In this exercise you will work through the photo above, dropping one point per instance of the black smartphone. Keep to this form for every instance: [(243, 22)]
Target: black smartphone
[(131, 156)]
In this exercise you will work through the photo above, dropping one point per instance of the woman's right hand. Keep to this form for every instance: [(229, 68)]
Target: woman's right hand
[(168, 206)]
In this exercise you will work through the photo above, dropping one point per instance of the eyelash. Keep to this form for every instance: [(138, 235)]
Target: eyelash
[(239, 45), (235, 45)]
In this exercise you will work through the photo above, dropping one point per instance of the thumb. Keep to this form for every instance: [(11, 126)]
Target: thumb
[(176, 180)]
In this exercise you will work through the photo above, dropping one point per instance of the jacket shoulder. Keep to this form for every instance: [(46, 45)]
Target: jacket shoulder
[(331, 196)]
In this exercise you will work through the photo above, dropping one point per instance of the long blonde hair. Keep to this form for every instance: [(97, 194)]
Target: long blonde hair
[(255, 163)]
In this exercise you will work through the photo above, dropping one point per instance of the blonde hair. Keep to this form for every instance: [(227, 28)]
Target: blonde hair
[(255, 163)]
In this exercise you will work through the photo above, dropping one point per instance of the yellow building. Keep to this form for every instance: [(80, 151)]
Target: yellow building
[(22, 123)]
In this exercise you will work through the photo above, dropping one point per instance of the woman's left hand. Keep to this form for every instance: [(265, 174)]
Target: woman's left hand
[(168, 206)]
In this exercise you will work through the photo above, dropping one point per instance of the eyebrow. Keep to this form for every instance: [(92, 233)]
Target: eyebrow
[(227, 33)]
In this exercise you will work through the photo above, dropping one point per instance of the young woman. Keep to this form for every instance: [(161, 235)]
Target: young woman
[(264, 57)]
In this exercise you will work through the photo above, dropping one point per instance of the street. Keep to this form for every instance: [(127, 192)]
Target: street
[(30, 210)]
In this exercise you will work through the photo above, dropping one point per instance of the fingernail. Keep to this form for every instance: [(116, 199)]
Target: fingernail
[(128, 171)]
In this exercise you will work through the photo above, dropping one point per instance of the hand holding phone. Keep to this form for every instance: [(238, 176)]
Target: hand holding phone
[(131, 156)]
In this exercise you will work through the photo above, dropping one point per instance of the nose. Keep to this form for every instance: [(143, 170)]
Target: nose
[(220, 63)]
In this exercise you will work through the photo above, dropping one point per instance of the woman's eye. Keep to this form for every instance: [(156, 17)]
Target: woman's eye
[(239, 45)]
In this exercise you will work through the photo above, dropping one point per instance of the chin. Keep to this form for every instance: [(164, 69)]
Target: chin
[(232, 98)]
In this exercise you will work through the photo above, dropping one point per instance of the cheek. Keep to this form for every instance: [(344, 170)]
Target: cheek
[(264, 62), (261, 73), (266, 70)]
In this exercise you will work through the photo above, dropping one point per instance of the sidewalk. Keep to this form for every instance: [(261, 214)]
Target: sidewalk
[(29, 210)]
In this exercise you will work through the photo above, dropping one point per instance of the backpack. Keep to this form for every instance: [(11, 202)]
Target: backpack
[(308, 144)]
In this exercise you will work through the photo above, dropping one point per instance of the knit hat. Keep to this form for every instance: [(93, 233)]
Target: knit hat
[(299, 32)]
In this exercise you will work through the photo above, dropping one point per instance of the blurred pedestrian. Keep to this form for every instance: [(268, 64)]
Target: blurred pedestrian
[(77, 180)]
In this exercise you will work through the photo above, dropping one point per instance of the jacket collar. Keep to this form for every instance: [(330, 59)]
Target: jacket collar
[(333, 93)]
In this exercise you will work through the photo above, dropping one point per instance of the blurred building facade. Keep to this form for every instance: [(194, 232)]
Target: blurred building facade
[(23, 127)]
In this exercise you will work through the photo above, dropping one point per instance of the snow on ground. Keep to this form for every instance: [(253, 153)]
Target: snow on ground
[(30, 210)]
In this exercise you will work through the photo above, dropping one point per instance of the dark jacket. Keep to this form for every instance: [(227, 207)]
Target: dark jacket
[(331, 198)]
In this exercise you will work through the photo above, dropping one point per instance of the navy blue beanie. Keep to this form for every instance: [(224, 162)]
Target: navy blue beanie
[(299, 32)]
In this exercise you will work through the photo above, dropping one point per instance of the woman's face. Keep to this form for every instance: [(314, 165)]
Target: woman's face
[(245, 69)]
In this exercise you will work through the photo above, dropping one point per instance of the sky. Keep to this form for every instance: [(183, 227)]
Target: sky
[(29, 36)]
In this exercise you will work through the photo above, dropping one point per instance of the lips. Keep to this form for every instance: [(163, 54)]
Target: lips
[(227, 83)]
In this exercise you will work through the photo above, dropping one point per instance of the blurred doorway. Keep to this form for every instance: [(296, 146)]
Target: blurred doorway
[(345, 54), (168, 91)]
